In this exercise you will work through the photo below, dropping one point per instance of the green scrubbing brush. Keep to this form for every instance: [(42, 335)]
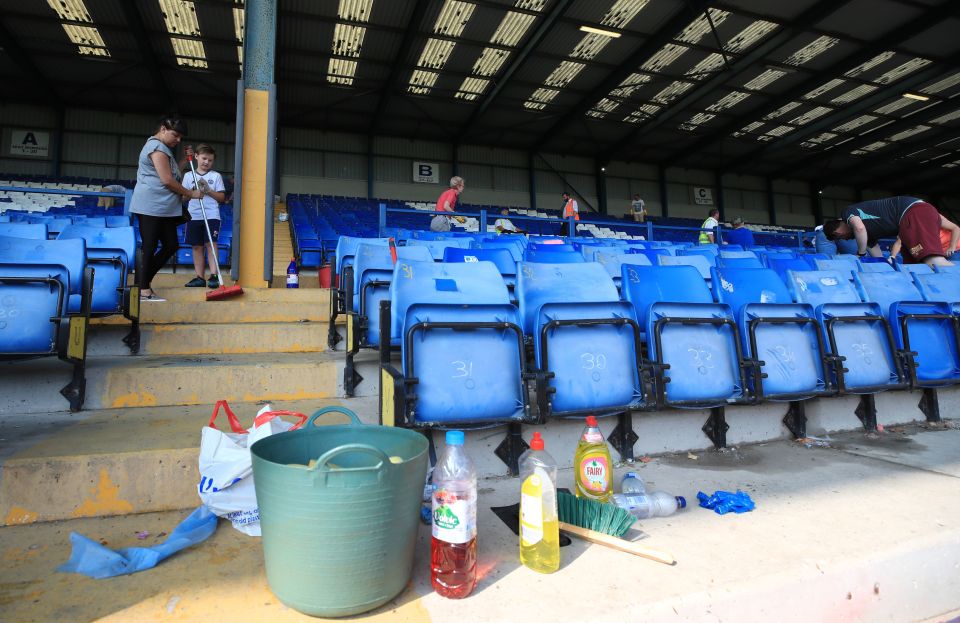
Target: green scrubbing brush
[(603, 524)]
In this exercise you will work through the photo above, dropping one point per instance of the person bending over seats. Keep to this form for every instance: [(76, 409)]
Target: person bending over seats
[(504, 225), (157, 200), (739, 234), (109, 202), (915, 221), (830, 247), (713, 220), (211, 183), (446, 203)]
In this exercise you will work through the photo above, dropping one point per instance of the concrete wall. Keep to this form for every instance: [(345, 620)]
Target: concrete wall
[(309, 160)]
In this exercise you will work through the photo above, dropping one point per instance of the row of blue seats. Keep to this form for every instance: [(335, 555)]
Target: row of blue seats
[(751, 338), (49, 290)]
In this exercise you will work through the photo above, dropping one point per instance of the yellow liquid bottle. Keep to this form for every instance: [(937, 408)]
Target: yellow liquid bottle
[(593, 477), (539, 526)]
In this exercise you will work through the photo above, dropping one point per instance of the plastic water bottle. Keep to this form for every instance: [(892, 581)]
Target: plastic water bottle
[(293, 274), (539, 524), (646, 505), (632, 483), (453, 548)]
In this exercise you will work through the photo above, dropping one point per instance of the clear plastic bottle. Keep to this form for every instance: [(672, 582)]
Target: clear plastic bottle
[(593, 465), (646, 505), (293, 274), (632, 483), (539, 524), (453, 548)]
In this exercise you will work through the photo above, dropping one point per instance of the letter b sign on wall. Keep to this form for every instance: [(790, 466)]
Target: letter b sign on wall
[(426, 172)]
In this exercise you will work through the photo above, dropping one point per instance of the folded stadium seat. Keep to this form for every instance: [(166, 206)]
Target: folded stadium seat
[(782, 338), (38, 281), (366, 283), (501, 258), (514, 247), (118, 221), (33, 231), (346, 250), (311, 251), (552, 257), (876, 267), (739, 262), (922, 269), (926, 328), (944, 286), (55, 226), (782, 265), (437, 247), (736, 251), (586, 344), (112, 253), (93, 221), (703, 250), (700, 262), (556, 247), (858, 336), (954, 268), (612, 261), (842, 262), (462, 353), (693, 342)]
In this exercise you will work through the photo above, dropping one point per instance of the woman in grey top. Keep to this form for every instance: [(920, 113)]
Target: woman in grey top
[(157, 200)]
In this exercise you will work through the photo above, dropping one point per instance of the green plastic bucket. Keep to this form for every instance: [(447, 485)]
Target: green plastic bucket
[(338, 537)]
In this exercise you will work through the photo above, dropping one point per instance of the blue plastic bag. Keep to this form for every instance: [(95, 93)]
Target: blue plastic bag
[(92, 559), (723, 502)]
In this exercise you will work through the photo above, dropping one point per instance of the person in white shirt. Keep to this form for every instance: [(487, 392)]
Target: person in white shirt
[(638, 209), (211, 183), (505, 225)]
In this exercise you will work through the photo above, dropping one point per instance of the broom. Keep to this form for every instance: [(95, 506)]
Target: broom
[(222, 292), (603, 524)]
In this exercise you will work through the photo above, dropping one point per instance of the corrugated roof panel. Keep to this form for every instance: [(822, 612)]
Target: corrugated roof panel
[(853, 94), (819, 139), (872, 147), (849, 126), (820, 90), (894, 106), (180, 18), (782, 110), (750, 35), (341, 71), (919, 129), (452, 19), (435, 53), (947, 118), (87, 38), (355, 10), (942, 85), (238, 16), (622, 13), (471, 88), (748, 128), (873, 62), (628, 86), (540, 98), (812, 50), (422, 81), (765, 79), (902, 70), (700, 27), (563, 74), (512, 28), (810, 115)]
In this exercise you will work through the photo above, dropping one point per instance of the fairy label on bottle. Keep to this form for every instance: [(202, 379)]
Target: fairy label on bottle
[(595, 473), (454, 515)]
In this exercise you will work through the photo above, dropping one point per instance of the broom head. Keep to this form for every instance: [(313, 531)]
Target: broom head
[(224, 292)]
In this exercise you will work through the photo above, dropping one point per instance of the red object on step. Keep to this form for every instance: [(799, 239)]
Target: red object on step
[(393, 250), (224, 292), (324, 274)]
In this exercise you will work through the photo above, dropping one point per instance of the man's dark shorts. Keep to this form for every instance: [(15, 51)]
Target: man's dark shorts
[(197, 234), (920, 233)]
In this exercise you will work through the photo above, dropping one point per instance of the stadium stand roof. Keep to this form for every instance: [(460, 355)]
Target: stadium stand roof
[(832, 91)]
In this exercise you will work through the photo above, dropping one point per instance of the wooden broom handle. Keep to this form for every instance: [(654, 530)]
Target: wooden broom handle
[(616, 543)]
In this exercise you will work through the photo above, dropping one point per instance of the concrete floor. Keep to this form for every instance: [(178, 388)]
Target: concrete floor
[(866, 529)]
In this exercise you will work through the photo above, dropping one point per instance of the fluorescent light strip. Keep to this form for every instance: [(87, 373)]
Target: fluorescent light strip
[(916, 96), (180, 18), (601, 32), (87, 38)]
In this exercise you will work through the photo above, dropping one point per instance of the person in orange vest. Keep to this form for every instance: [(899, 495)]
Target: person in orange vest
[(570, 208)]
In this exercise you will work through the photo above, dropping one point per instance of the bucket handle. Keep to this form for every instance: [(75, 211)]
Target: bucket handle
[(329, 455), (354, 420)]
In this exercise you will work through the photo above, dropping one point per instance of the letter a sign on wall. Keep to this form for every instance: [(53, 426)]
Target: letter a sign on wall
[(29, 143), (426, 172)]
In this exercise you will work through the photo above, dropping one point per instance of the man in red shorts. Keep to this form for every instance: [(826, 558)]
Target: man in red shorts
[(916, 222)]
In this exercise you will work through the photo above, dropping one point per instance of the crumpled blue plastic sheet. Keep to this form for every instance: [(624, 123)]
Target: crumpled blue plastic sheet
[(92, 559), (723, 502)]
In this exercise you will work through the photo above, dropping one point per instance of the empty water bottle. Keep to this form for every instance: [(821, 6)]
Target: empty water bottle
[(646, 505), (632, 483)]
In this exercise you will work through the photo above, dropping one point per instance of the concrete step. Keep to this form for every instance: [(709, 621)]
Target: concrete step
[(176, 280), (222, 338), (188, 305), (111, 462), (150, 381), (814, 527)]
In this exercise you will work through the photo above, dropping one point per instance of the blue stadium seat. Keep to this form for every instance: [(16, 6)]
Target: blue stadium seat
[(922, 269), (700, 262), (857, 333), (38, 279), (653, 254), (707, 251), (501, 258), (923, 327), (552, 257), (782, 265), (346, 250), (462, 354), (739, 262), (438, 247), (943, 287), (586, 340), (727, 252), (111, 251), (846, 264), (613, 261), (876, 267), (782, 337), (35, 231), (514, 246)]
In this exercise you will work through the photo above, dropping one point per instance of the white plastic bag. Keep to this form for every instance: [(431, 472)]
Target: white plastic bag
[(226, 470)]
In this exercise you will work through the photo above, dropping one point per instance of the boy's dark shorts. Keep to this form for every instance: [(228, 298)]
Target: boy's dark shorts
[(197, 234)]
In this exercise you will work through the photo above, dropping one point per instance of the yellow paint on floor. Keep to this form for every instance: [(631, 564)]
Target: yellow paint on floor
[(106, 500), (18, 515)]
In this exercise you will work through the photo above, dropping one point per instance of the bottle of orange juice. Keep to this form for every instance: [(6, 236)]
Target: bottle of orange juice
[(594, 469)]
